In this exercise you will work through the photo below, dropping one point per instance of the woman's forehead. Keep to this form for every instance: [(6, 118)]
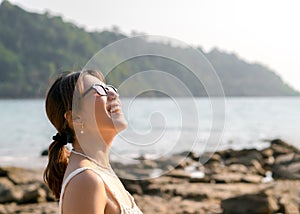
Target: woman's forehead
[(89, 80)]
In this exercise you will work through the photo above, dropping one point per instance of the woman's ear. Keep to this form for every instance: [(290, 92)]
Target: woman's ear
[(68, 116), (73, 119)]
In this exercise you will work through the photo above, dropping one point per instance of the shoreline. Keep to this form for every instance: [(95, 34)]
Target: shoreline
[(230, 181)]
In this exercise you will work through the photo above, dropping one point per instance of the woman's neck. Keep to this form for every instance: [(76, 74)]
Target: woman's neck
[(94, 147)]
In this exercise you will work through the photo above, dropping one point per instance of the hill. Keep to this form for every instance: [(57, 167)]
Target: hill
[(34, 47)]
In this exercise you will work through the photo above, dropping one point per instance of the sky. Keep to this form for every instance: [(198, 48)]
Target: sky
[(262, 31)]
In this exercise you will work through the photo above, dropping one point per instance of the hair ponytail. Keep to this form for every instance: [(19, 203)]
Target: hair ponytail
[(56, 167)]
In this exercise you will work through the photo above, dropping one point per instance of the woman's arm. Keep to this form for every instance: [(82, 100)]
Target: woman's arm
[(85, 194)]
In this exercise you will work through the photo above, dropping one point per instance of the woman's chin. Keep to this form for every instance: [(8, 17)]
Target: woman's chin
[(120, 123)]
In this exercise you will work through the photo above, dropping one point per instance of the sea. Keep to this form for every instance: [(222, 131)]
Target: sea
[(159, 127)]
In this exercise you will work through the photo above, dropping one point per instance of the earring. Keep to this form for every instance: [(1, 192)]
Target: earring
[(81, 131)]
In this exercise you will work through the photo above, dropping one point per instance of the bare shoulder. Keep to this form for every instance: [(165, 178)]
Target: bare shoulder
[(87, 178), (85, 193)]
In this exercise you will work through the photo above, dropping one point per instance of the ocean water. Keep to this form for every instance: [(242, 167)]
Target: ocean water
[(158, 127)]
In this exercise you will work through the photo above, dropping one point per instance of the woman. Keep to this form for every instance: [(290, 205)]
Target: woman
[(87, 113)]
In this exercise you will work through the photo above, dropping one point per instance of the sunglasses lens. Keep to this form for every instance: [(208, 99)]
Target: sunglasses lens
[(100, 90), (112, 88)]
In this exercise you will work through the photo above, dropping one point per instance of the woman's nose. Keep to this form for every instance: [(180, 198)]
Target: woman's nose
[(112, 95)]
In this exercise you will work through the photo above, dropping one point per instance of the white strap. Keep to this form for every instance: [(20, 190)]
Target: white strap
[(66, 181)]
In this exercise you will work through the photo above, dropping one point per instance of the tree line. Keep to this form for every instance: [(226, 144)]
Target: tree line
[(35, 47)]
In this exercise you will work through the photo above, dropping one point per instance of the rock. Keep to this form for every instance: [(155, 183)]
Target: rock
[(287, 158), (205, 179), (289, 205), (227, 177), (3, 172), (33, 193), (149, 164), (2, 209), (22, 176), (191, 195), (191, 192), (45, 208), (280, 147), (178, 173), (134, 189), (49, 195), (255, 179), (189, 207), (191, 155), (215, 157), (258, 167), (8, 192), (291, 208), (8, 209), (290, 171), (267, 152), (44, 152), (238, 168), (250, 203), (244, 157), (269, 161)]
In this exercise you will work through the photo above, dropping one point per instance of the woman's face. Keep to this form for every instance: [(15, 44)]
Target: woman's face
[(101, 112)]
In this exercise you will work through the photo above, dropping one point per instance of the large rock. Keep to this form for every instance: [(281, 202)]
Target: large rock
[(287, 166), (33, 193), (244, 157), (8, 192), (280, 147), (250, 203), (22, 176), (21, 186)]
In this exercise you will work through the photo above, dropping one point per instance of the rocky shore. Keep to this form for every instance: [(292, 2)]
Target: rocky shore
[(229, 181)]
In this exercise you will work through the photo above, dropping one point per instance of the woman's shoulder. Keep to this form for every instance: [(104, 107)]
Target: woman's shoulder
[(83, 190), (86, 177)]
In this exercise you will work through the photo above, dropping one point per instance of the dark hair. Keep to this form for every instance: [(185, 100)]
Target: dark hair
[(59, 100)]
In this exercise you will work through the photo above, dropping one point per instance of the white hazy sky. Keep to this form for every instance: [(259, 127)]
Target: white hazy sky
[(264, 31)]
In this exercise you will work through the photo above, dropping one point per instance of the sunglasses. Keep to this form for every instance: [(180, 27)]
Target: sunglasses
[(102, 90)]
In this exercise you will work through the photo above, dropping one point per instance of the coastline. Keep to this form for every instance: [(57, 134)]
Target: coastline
[(230, 181)]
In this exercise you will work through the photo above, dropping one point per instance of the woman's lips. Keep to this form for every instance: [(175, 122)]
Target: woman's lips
[(114, 108)]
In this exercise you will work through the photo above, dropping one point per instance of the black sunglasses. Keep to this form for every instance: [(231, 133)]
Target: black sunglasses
[(102, 90)]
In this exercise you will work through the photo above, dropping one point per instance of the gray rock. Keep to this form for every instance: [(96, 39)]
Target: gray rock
[(8, 192), (33, 193), (280, 147), (22, 176), (227, 177), (244, 157), (287, 158), (290, 171), (250, 203)]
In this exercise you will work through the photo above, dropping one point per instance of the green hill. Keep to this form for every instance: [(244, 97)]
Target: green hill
[(34, 47)]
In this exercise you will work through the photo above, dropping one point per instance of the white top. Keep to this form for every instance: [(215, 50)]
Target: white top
[(125, 209)]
